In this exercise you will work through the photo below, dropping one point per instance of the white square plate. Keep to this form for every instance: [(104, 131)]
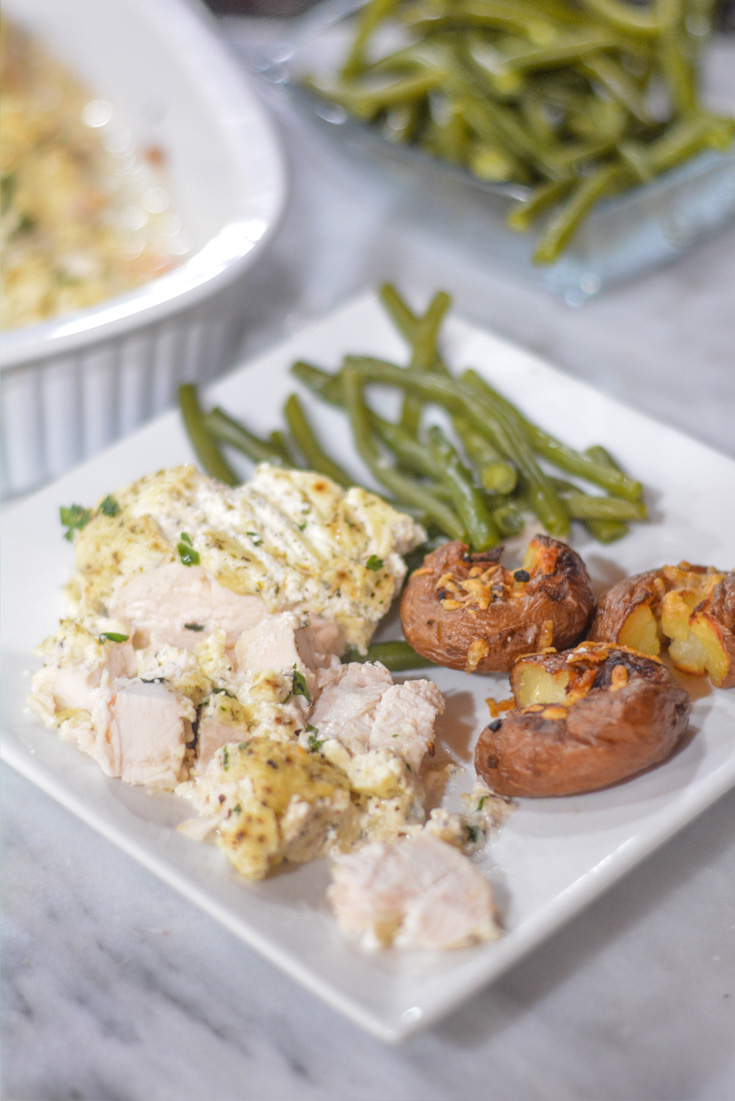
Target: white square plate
[(552, 856)]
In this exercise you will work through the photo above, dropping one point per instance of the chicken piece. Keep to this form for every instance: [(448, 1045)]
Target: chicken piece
[(284, 641), (77, 661), (360, 707), (222, 720), (277, 801), (348, 699), (404, 720), (142, 730), (291, 538), (175, 604), (417, 892)]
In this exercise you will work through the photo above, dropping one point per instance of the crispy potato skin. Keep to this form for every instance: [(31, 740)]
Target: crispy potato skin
[(719, 610), (606, 735), (553, 608), (618, 602), (650, 588)]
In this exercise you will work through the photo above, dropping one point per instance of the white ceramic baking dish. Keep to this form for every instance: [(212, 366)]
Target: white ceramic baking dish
[(74, 384)]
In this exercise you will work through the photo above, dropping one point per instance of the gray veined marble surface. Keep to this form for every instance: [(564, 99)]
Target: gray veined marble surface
[(114, 987)]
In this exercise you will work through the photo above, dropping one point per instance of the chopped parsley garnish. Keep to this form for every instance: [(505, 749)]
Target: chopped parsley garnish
[(226, 758), (256, 539), (302, 527), (223, 692), (74, 518), (315, 742), (481, 803), (299, 685), (472, 833), (193, 626), (374, 563), (7, 191), (109, 506), (113, 636), (237, 809), (26, 224), (187, 554)]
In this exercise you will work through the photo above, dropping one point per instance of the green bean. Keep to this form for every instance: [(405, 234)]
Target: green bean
[(624, 17), (558, 453), (228, 430), (675, 56), (566, 221), (453, 396), (689, 136), (303, 435), (606, 531), (563, 51), (405, 320), (496, 474), (410, 452), (538, 200), (584, 506), (397, 656), (369, 19), (601, 455), (492, 14), (325, 385), (469, 502), (423, 353), (619, 83), (206, 448), (509, 519), (406, 489), (493, 122), (370, 97), (278, 439)]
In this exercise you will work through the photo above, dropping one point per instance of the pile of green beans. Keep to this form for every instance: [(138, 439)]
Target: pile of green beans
[(479, 478), (572, 100)]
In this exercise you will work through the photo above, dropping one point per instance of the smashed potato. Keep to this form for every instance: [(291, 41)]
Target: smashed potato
[(585, 719), (687, 610), (467, 611)]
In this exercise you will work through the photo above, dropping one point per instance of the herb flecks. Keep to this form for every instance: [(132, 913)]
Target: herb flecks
[(187, 554), (374, 563), (113, 636), (315, 742), (74, 518), (193, 626), (299, 685), (255, 538), (109, 506)]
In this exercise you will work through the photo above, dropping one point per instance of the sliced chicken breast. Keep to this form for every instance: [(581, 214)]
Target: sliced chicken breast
[(404, 720), (417, 892), (173, 604), (141, 733)]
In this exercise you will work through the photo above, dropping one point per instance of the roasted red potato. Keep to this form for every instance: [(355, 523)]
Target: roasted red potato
[(467, 611), (586, 718), (689, 610)]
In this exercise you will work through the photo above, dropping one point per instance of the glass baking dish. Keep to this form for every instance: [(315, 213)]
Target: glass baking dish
[(621, 238)]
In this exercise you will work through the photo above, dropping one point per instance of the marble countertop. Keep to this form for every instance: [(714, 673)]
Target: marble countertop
[(116, 987)]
